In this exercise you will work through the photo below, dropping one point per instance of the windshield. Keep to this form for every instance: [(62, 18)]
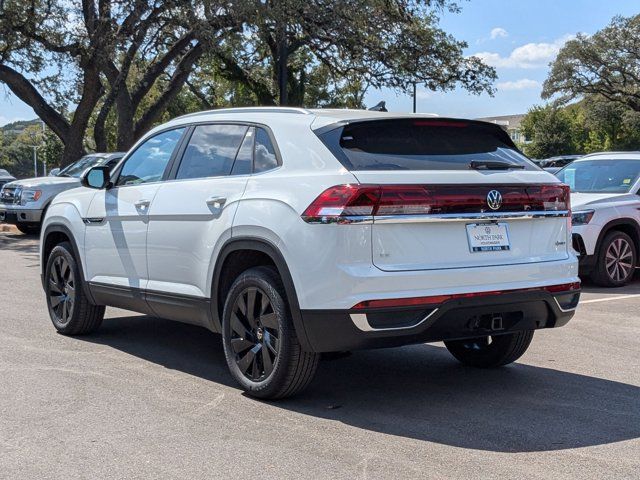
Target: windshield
[(601, 175), (422, 144), (76, 169)]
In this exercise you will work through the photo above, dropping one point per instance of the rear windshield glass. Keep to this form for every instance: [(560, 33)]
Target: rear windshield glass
[(421, 145)]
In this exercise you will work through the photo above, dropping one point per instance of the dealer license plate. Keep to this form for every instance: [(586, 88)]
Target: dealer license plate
[(488, 237)]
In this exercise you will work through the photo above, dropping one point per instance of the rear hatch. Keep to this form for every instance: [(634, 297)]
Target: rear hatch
[(451, 194)]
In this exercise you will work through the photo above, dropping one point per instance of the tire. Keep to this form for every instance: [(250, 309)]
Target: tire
[(70, 310), (260, 342), (616, 261), (29, 229), (490, 352)]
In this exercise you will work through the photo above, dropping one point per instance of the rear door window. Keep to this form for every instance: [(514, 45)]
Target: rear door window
[(421, 144), (211, 151), (264, 153), (244, 159)]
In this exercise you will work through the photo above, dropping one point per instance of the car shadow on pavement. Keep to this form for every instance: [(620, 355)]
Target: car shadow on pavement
[(26, 245), (417, 392)]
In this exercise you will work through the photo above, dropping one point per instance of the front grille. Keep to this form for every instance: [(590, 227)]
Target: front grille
[(10, 195)]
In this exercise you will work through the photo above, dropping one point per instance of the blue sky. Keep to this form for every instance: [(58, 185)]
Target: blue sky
[(518, 37)]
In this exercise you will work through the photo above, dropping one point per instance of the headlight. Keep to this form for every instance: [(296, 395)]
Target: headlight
[(30, 196), (582, 218)]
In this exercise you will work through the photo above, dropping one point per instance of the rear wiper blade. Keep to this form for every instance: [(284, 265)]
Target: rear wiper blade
[(494, 165)]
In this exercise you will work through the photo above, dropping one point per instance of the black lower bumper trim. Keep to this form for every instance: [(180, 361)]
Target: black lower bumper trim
[(586, 264), (334, 330)]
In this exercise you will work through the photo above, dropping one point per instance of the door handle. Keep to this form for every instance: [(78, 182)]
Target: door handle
[(142, 204), (216, 202)]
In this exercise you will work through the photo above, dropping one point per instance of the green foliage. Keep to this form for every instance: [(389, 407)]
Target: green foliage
[(16, 148), (126, 65), (605, 64), (549, 129), (592, 125)]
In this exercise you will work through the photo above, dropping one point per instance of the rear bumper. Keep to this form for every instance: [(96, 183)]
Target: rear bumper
[(342, 330), (15, 215)]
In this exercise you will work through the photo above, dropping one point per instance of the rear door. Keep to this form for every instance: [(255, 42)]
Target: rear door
[(192, 213), (453, 194)]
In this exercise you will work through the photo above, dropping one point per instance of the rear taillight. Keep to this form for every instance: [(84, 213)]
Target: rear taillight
[(343, 201), (346, 203)]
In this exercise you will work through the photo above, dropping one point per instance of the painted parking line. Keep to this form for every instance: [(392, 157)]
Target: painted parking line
[(608, 299)]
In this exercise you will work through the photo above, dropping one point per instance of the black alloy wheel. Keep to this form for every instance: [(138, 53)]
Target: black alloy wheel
[(255, 334), (61, 290), (491, 351), (260, 342), (70, 310)]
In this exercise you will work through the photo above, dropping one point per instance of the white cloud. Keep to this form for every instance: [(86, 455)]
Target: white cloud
[(522, 84), (423, 94), (498, 32), (530, 55)]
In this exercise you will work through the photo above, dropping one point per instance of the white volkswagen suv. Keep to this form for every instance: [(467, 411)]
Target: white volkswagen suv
[(606, 215), (294, 232)]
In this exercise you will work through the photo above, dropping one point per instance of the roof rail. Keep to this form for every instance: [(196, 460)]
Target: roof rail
[(610, 152), (299, 111)]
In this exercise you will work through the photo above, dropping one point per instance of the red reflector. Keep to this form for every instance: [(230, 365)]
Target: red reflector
[(565, 287), (439, 299)]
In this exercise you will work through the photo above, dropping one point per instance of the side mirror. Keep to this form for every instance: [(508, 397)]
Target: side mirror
[(54, 172), (96, 177)]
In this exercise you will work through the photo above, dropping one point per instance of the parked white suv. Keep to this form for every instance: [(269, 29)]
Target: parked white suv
[(294, 232), (606, 215)]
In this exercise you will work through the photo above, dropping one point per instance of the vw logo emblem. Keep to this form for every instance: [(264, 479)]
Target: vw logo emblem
[(494, 199)]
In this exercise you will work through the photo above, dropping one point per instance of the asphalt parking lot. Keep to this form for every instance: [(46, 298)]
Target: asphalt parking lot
[(147, 398)]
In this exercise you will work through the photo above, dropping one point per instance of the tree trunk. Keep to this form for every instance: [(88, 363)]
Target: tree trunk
[(125, 123), (282, 70), (73, 147)]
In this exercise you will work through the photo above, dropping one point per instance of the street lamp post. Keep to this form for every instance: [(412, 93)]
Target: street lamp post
[(414, 97)]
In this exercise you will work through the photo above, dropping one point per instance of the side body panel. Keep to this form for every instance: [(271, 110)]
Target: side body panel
[(116, 236), (188, 220)]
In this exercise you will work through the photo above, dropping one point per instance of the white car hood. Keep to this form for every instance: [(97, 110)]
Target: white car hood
[(45, 181), (580, 201)]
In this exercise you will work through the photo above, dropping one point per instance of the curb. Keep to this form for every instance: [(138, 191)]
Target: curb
[(8, 228)]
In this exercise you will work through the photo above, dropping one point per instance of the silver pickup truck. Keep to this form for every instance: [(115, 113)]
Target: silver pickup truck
[(23, 203)]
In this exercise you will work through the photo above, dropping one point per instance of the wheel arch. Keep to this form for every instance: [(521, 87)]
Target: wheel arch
[(266, 250), (53, 235), (625, 225)]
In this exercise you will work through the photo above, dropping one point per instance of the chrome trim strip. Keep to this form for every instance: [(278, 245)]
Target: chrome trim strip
[(462, 217), (445, 217), (93, 221), (360, 219), (361, 322), (565, 310)]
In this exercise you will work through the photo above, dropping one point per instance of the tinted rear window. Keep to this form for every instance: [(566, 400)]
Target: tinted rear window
[(420, 145)]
